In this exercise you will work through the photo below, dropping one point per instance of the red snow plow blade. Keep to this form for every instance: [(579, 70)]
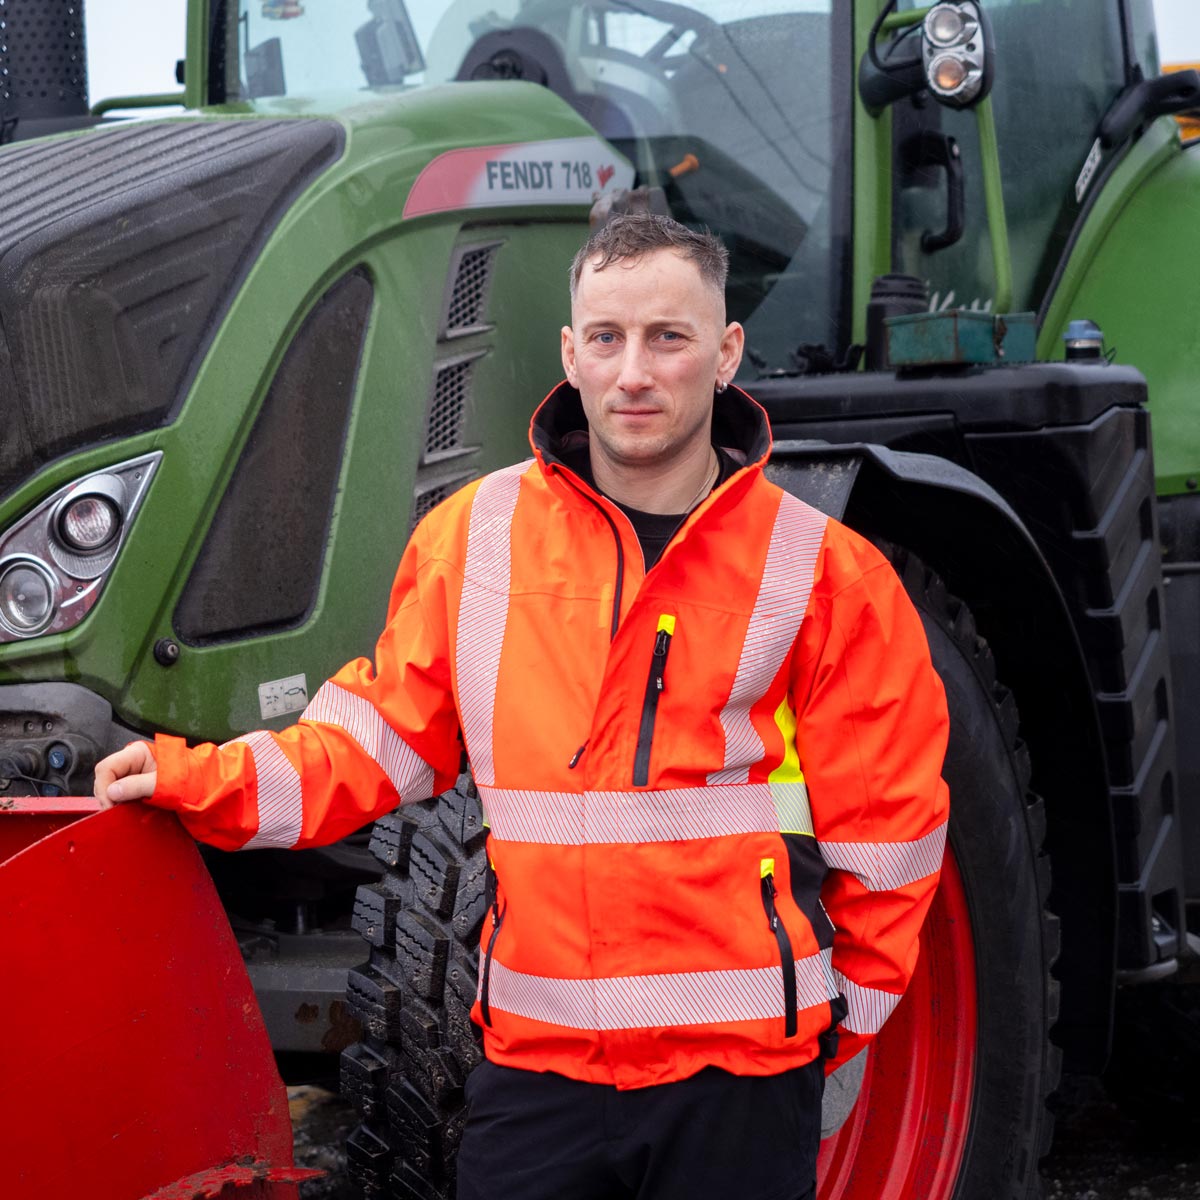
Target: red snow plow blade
[(134, 1061)]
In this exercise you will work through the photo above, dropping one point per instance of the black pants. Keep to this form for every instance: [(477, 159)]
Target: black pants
[(532, 1136)]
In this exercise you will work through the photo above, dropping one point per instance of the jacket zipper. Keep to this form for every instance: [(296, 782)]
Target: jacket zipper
[(786, 959), (620, 580), (497, 920), (654, 687)]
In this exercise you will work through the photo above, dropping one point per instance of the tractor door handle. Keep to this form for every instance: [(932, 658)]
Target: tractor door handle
[(941, 150)]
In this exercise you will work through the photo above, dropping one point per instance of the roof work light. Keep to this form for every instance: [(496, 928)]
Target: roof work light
[(947, 52), (954, 51)]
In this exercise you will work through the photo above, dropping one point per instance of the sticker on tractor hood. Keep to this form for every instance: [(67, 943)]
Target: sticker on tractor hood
[(279, 696), (565, 171)]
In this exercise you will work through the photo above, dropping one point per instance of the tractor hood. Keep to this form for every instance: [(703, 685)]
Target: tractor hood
[(119, 251)]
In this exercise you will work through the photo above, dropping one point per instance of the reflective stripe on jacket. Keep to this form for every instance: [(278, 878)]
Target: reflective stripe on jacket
[(713, 792)]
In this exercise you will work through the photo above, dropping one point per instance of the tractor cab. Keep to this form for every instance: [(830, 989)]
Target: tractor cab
[(744, 115)]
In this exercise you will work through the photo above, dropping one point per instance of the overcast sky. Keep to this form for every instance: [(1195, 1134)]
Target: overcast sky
[(1178, 30), (133, 44)]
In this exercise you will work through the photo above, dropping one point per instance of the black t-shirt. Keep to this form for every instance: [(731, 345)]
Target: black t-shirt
[(654, 530)]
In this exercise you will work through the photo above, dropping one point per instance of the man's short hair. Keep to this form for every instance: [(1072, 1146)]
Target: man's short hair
[(632, 235)]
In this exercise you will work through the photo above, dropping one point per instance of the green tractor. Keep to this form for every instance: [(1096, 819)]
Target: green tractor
[(245, 349)]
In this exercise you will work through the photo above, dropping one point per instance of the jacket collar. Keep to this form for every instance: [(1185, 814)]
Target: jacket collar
[(739, 426)]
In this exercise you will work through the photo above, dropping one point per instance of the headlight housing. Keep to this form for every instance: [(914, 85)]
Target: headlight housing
[(949, 52), (955, 52), (55, 560), (26, 596)]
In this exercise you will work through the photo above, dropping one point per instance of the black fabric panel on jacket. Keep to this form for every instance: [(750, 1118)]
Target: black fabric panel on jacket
[(808, 871)]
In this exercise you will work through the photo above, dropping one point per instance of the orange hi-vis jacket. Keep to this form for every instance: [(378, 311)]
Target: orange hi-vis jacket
[(713, 788)]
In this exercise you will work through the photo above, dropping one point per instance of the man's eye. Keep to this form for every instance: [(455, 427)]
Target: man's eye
[(606, 339), (669, 335)]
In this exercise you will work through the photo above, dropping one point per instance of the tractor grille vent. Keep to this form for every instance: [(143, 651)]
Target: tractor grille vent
[(43, 59), (448, 460), (468, 295), (447, 412), (426, 501)]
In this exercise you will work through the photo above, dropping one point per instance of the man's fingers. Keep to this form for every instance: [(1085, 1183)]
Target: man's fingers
[(129, 774), (132, 787)]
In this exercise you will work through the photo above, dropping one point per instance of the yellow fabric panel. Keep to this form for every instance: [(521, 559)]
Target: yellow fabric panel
[(788, 770)]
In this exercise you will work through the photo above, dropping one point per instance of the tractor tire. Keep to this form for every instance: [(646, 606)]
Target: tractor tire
[(953, 1104), (953, 1099), (413, 997)]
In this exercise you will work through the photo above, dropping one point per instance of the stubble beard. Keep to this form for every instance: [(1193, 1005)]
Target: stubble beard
[(648, 451)]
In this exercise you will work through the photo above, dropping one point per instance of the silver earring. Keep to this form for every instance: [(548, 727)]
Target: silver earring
[(721, 386)]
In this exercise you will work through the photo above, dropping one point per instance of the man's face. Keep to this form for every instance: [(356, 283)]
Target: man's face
[(647, 345)]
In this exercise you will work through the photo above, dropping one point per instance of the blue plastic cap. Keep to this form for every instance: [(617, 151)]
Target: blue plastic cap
[(1083, 331)]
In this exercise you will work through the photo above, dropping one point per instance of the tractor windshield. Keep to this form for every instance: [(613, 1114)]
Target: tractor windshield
[(739, 109)]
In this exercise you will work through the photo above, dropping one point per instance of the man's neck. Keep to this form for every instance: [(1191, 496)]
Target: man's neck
[(675, 488)]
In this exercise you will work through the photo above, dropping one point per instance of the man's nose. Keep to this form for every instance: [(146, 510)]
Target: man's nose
[(635, 375)]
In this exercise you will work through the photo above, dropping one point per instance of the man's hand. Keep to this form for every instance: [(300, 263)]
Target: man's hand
[(130, 774)]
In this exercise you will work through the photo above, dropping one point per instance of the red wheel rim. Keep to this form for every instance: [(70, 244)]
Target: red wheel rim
[(905, 1138)]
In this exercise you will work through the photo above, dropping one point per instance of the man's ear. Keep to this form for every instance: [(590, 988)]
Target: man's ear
[(733, 341), (568, 355)]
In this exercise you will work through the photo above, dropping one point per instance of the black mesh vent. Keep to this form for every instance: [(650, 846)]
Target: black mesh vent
[(446, 413), (469, 295), (260, 565), (119, 250), (43, 64), (429, 499)]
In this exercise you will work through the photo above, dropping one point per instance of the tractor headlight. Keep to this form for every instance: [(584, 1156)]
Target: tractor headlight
[(955, 62), (88, 523), (955, 52), (945, 25), (26, 597), (947, 73), (54, 561)]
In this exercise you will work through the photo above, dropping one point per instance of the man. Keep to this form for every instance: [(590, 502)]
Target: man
[(707, 737)]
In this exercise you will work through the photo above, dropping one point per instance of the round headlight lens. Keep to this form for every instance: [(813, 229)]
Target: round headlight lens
[(947, 73), (89, 523), (944, 26), (26, 597)]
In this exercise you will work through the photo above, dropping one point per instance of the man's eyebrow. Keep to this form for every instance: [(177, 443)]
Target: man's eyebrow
[(683, 323)]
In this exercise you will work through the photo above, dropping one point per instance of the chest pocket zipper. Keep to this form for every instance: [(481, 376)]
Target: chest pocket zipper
[(654, 688), (786, 959)]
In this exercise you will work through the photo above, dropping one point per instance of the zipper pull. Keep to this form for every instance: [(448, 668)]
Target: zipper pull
[(662, 643), (577, 756), (767, 875)]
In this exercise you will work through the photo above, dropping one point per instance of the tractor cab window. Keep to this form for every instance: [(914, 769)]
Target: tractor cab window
[(740, 110), (1059, 66)]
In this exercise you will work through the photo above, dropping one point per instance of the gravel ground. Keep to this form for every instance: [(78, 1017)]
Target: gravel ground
[(1100, 1151), (1104, 1151), (321, 1122)]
